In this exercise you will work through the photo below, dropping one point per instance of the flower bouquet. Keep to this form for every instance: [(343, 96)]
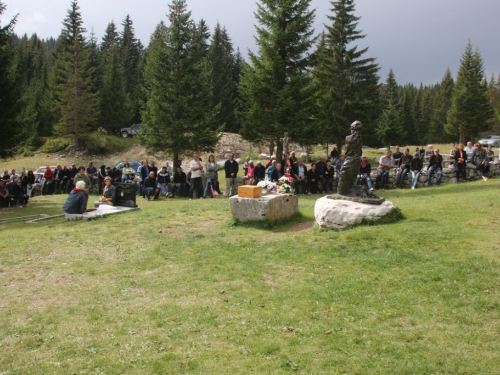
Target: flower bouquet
[(286, 185), (266, 185)]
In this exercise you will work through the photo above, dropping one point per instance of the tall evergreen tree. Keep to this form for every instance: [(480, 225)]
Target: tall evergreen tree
[(75, 101), (347, 81), (221, 60), (178, 114), (115, 107), (9, 92), (442, 106), (390, 124), (276, 89), (132, 54), (470, 111)]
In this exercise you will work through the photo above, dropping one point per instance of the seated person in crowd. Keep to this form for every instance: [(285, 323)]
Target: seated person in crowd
[(270, 169), (334, 155), (435, 165), (128, 173), (259, 173), (385, 165), (82, 176), (452, 153), (429, 153), (277, 173), (76, 203), (460, 163), (150, 186), (48, 184), (364, 173), (313, 179), (245, 166), (248, 177), (481, 161), (404, 168), (320, 167), (396, 158), (415, 168), (20, 198), (328, 176), (490, 153), (293, 159), (5, 197), (300, 177), (469, 150), (6, 176), (163, 180), (73, 171), (91, 174), (179, 183), (270, 162), (339, 164), (108, 193)]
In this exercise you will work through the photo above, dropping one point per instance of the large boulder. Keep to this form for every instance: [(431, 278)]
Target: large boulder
[(339, 214), (268, 207)]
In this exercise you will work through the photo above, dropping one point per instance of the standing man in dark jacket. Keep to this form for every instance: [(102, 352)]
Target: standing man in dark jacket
[(231, 168)]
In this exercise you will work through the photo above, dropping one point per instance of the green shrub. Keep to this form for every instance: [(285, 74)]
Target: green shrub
[(56, 144)]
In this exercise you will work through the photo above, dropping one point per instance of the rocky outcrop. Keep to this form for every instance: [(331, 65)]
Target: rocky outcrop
[(339, 214)]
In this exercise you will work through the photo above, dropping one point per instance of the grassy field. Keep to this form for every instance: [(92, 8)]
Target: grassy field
[(180, 288)]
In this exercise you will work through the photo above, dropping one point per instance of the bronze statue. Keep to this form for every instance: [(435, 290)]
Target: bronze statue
[(347, 190), (352, 163)]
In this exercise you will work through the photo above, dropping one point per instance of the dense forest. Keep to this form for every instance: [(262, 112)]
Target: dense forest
[(190, 83)]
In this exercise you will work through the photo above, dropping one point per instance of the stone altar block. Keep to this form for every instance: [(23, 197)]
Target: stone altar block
[(338, 214), (269, 207)]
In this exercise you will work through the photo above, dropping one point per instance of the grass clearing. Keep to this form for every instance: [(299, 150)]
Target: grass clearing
[(178, 287)]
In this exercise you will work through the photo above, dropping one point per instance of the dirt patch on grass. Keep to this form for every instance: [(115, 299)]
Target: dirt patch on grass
[(189, 230), (301, 227)]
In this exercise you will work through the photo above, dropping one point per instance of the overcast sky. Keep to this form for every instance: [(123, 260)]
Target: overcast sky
[(418, 39)]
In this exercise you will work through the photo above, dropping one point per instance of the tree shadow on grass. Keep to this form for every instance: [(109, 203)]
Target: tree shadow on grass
[(275, 226), (442, 190)]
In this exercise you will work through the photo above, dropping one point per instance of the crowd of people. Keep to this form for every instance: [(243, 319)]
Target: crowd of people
[(151, 182)]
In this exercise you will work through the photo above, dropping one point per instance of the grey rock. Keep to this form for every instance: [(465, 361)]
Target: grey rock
[(271, 207), (338, 214)]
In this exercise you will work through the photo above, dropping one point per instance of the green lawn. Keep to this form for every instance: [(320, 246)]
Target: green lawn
[(180, 288)]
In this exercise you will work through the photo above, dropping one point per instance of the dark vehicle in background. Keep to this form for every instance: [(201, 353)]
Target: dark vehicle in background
[(127, 132), (491, 140)]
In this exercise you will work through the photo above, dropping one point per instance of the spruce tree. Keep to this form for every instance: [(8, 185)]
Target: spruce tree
[(9, 93), (75, 102), (115, 107), (441, 108), (470, 111), (347, 81), (221, 60), (132, 54), (390, 123), (276, 89), (178, 113)]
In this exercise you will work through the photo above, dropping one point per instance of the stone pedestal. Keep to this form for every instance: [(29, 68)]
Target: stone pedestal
[(269, 207), (338, 214)]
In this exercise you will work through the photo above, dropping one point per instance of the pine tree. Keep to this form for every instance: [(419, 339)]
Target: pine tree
[(9, 92), (75, 101), (115, 107), (221, 60), (178, 114), (390, 124), (132, 53), (442, 106), (346, 80), (277, 94), (494, 94), (407, 95), (470, 111)]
